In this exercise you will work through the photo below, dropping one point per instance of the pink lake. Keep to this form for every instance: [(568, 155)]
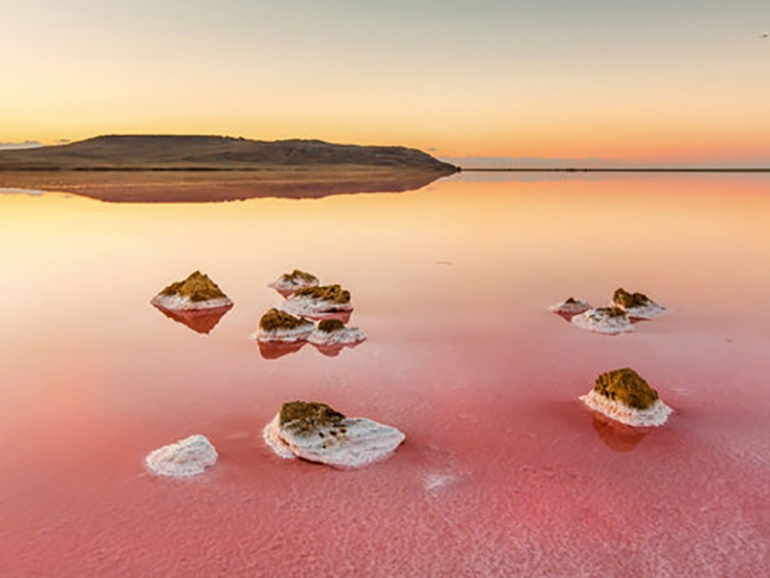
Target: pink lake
[(503, 471)]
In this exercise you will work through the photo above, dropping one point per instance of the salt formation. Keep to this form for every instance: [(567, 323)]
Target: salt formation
[(187, 457), (610, 320), (315, 432), (318, 300), (570, 306), (636, 305), (194, 293), (290, 282), (276, 325), (624, 396), (334, 332)]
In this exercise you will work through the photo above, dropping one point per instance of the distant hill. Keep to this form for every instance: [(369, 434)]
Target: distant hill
[(168, 152)]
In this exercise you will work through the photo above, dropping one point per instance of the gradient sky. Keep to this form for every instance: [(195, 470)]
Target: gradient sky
[(644, 80)]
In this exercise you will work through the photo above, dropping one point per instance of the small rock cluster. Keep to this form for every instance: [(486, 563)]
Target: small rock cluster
[(617, 317)]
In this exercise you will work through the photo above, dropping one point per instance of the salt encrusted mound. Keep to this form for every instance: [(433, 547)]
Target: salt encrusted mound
[(276, 325), (610, 320), (290, 282), (194, 293), (187, 457), (624, 396), (570, 306), (636, 305), (317, 433), (334, 332), (316, 300)]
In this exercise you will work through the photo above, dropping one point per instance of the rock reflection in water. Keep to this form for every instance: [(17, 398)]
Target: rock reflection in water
[(276, 349), (334, 350), (201, 321), (617, 436)]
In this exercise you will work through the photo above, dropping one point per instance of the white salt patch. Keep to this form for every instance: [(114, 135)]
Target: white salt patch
[(647, 311), (306, 305), (17, 191), (184, 303), (299, 333), (578, 306), (343, 336), (187, 457), (600, 322), (435, 482), (351, 442), (655, 415)]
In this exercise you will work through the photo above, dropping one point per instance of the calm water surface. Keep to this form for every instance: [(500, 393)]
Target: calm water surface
[(503, 472)]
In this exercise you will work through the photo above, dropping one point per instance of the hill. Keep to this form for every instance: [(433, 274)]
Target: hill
[(170, 152)]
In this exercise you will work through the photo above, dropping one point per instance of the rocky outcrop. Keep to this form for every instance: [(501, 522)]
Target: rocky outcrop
[(636, 305), (624, 396), (187, 457), (570, 306), (313, 301), (197, 292), (608, 320), (277, 325), (334, 332), (315, 432), (289, 282)]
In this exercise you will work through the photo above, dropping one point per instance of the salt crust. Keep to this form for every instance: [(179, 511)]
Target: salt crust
[(363, 442), (579, 306), (286, 335), (647, 311), (343, 336), (655, 415), (303, 305), (184, 303), (187, 457), (18, 191), (601, 322)]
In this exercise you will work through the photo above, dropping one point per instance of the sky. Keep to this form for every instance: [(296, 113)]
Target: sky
[(650, 81)]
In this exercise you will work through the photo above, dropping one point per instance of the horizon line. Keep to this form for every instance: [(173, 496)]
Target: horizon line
[(615, 169)]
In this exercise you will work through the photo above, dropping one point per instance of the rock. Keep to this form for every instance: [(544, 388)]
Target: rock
[(334, 332), (624, 396), (609, 320), (636, 305), (317, 433), (187, 457), (318, 300), (276, 325), (194, 293), (570, 306), (290, 282)]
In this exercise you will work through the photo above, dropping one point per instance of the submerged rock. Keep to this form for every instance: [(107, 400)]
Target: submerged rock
[(609, 320), (624, 396), (334, 332), (196, 292), (318, 300), (636, 305), (277, 325), (570, 306), (290, 282), (187, 457), (317, 433)]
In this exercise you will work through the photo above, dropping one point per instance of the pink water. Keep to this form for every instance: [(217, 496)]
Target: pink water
[(503, 472)]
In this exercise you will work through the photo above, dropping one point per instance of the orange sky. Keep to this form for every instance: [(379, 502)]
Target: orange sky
[(644, 81)]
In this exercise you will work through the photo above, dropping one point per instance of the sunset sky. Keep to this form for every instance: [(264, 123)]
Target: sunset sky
[(647, 81)]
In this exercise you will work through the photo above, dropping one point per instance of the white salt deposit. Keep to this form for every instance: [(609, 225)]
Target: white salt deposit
[(306, 305), (342, 336), (184, 303), (18, 191), (600, 321), (299, 333), (187, 457), (655, 415), (351, 442), (646, 311), (570, 307)]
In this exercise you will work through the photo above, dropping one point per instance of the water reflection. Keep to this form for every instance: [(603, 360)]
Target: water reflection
[(334, 350), (617, 436), (276, 349), (201, 321)]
